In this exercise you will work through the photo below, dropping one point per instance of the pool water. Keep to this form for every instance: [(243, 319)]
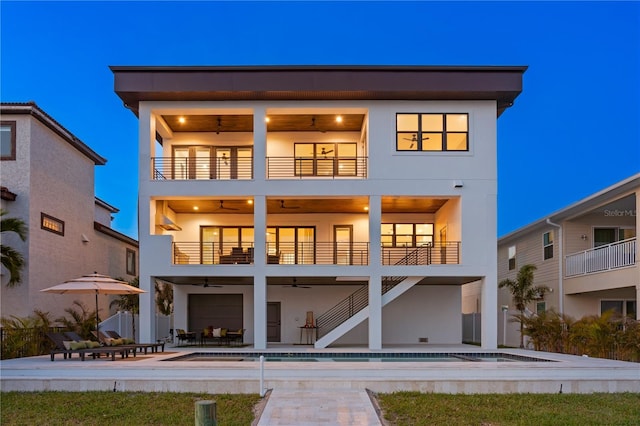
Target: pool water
[(356, 357)]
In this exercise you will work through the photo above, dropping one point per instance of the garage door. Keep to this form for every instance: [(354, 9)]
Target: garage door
[(217, 310)]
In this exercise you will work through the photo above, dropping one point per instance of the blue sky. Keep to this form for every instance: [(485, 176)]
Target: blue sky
[(573, 131)]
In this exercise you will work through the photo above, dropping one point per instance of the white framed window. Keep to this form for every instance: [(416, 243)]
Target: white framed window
[(547, 244), (7, 140), (512, 258)]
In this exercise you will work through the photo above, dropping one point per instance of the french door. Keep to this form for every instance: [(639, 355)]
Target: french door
[(212, 162)]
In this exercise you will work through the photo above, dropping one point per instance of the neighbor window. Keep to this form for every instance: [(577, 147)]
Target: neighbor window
[(627, 308), (432, 132), (547, 243), (131, 262), (51, 224), (7, 140), (541, 307), (512, 258)]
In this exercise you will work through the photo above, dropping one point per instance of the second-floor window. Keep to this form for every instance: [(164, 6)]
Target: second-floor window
[(406, 234), (512, 258), (432, 132), (131, 262), (7, 140), (547, 243)]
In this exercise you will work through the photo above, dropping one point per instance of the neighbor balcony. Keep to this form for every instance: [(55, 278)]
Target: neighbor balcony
[(602, 258)]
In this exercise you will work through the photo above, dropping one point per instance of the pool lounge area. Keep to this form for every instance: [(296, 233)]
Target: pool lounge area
[(566, 373)]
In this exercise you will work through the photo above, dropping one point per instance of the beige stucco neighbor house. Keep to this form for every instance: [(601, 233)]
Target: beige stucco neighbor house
[(47, 177), (585, 253), (354, 199)]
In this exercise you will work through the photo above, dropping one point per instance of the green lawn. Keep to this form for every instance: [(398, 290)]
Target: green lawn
[(413, 408), (401, 408)]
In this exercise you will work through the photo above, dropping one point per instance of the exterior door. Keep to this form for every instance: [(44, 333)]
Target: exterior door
[(273, 322), (343, 244)]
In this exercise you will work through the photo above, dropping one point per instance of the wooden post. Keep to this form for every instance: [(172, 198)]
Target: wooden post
[(206, 413)]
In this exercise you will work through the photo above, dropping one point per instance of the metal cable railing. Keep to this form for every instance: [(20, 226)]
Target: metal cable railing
[(316, 167)]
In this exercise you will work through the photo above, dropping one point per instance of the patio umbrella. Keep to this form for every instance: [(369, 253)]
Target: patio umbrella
[(94, 284)]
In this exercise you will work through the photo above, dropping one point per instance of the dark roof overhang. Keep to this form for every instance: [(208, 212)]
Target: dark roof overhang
[(135, 84)]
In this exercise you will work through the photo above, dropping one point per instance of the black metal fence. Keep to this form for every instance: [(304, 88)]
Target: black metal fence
[(24, 342)]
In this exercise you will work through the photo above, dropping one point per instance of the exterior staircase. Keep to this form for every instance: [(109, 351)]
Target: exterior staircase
[(354, 309)]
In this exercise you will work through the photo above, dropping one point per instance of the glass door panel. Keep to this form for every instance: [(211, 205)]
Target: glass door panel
[(180, 163), (325, 155), (202, 163), (343, 244), (286, 245), (306, 250), (303, 153), (209, 242), (223, 163), (229, 240), (244, 163)]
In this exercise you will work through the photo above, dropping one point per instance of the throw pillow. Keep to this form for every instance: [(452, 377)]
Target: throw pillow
[(92, 345), (223, 332), (217, 332), (108, 341), (116, 342), (67, 344), (78, 345), (128, 341)]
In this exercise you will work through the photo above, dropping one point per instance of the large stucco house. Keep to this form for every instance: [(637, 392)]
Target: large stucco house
[(47, 177), (357, 199), (585, 253)]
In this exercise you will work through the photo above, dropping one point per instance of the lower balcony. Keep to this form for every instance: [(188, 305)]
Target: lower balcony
[(318, 253), (602, 258)]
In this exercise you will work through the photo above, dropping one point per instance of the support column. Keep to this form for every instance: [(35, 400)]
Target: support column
[(489, 302), (375, 278), (146, 145), (259, 278)]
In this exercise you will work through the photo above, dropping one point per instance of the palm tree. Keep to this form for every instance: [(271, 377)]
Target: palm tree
[(128, 302), (164, 298), (11, 258), (523, 292)]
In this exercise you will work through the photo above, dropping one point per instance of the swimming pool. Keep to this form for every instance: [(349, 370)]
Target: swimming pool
[(356, 357)]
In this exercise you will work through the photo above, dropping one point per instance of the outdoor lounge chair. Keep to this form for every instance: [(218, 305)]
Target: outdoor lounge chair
[(141, 346), (59, 338), (188, 336)]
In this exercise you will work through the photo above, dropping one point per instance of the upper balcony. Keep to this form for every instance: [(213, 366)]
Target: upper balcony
[(602, 258), (295, 144)]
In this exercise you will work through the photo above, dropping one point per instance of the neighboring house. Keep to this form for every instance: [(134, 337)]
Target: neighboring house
[(585, 253), (363, 197), (47, 177)]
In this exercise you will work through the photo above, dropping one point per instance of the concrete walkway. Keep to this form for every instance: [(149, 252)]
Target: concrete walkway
[(319, 407)]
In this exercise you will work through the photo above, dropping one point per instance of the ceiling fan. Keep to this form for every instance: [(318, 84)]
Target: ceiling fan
[(222, 207), (414, 139), (282, 206), (295, 284), (206, 284), (324, 151), (316, 128)]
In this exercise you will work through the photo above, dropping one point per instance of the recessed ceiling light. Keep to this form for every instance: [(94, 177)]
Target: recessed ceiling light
[(267, 119), (181, 120), (339, 119), (249, 201), (366, 208), (196, 208)]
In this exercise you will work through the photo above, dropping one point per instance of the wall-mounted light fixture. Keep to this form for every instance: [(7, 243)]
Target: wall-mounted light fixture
[(583, 237), (84, 238), (458, 184)]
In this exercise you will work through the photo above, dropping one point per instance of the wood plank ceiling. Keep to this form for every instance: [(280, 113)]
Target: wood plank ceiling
[(277, 123)]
